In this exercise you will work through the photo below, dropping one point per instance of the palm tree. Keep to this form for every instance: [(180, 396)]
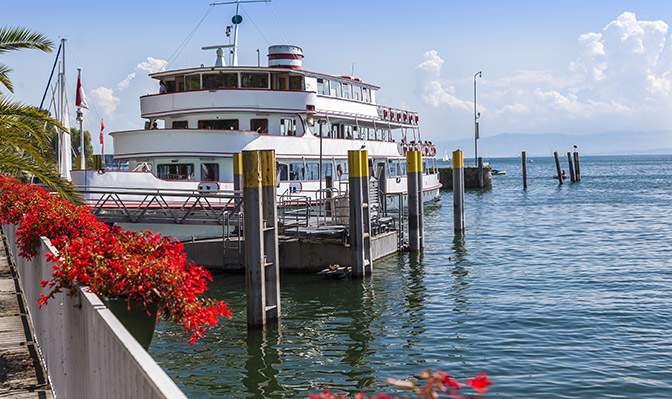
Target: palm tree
[(24, 137)]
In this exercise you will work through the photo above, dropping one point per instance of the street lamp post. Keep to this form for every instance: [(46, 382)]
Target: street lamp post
[(476, 116)]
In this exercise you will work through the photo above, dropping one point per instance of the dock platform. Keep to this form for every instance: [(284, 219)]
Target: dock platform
[(22, 375)]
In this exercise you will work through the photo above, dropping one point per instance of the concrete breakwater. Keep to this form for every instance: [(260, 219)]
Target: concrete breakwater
[(470, 177)]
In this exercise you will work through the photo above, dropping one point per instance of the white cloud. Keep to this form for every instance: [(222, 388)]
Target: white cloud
[(105, 100), (124, 83), (433, 91), (621, 79), (152, 65)]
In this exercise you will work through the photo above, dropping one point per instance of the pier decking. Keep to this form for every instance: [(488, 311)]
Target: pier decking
[(21, 373)]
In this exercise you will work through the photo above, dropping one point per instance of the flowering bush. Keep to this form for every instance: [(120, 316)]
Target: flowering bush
[(112, 262), (432, 385)]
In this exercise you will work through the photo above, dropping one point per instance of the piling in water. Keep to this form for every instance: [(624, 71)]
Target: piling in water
[(557, 166), (360, 213), (572, 175), (524, 156), (458, 191), (414, 189), (576, 166), (261, 239), (237, 171), (480, 172)]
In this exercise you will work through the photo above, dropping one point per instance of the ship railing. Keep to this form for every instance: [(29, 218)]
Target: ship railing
[(294, 211), (141, 205)]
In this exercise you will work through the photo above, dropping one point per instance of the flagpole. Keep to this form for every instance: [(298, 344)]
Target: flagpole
[(80, 119)]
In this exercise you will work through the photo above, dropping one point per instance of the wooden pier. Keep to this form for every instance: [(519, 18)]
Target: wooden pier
[(21, 373)]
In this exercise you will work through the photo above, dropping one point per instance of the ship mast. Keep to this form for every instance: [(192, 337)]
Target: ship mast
[(236, 20)]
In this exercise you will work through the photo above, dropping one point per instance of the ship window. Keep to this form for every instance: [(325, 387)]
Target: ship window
[(193, 82), (220, 80), (366, 95), (254, 80), (357, 93), (327, 169), (180, 124), (179, 83), (287, 127), (334, 88), (175, 171), (312, 171), (259, 125), (209, 172), (170, 86), (347, 90), (222, 124), (296, 171), (282, 171), (323, 87), (348, 131), (296, 83), (403, 168)]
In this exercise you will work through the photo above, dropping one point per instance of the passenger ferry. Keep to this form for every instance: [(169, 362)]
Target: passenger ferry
[(201, 116)]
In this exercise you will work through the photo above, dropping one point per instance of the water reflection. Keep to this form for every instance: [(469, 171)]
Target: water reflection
[(263, 362), (415, 298), (460, 273)]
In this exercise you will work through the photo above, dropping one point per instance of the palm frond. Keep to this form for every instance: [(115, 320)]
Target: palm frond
[(20, 166), (4, 77), (15, 38)]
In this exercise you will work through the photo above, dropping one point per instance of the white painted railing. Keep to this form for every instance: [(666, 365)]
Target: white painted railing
[(87, 351)]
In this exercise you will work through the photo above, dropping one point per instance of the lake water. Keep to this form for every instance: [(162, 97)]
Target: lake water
[(556, 292)]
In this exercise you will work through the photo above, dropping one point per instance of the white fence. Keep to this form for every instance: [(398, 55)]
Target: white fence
[(87, 351)]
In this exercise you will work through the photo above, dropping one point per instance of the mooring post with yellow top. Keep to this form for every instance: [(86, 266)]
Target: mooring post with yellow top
[(458, 191), (270, 234), (237, 171), (261, 266), (414, 199), (360, 213)]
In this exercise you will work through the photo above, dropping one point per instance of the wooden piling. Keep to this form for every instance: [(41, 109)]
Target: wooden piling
[(261, 240), (524, 156), (576, 166), (270, 234), (414, 200), (458, 191), (557, 166), (360, 213), (572, 176), (480, 172), (237, 171)]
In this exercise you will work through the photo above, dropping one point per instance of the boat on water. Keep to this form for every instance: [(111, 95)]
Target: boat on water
[(200, 117), (497, 172), (446, 158)]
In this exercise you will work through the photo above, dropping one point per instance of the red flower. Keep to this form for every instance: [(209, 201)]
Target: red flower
[(113, 262), (480, 383)]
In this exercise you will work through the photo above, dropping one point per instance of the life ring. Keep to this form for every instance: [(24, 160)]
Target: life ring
[(405, 149)]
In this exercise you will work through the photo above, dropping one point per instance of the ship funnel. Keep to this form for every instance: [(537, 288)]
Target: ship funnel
[(285, 56)]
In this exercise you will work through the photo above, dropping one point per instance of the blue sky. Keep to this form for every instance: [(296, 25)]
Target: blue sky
[(572, 67)]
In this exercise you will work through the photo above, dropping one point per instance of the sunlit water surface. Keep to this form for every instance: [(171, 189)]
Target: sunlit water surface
[(556, 292)]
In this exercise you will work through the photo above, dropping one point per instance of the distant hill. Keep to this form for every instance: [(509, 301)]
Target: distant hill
[(606, 143)]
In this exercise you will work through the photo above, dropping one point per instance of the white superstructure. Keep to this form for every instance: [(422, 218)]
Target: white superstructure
[(202, 116)]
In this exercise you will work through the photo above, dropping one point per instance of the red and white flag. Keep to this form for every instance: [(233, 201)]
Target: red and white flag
[(80, 99), (102, 142)]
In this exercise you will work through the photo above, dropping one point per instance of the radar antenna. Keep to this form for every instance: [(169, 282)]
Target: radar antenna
[(237, 19)]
